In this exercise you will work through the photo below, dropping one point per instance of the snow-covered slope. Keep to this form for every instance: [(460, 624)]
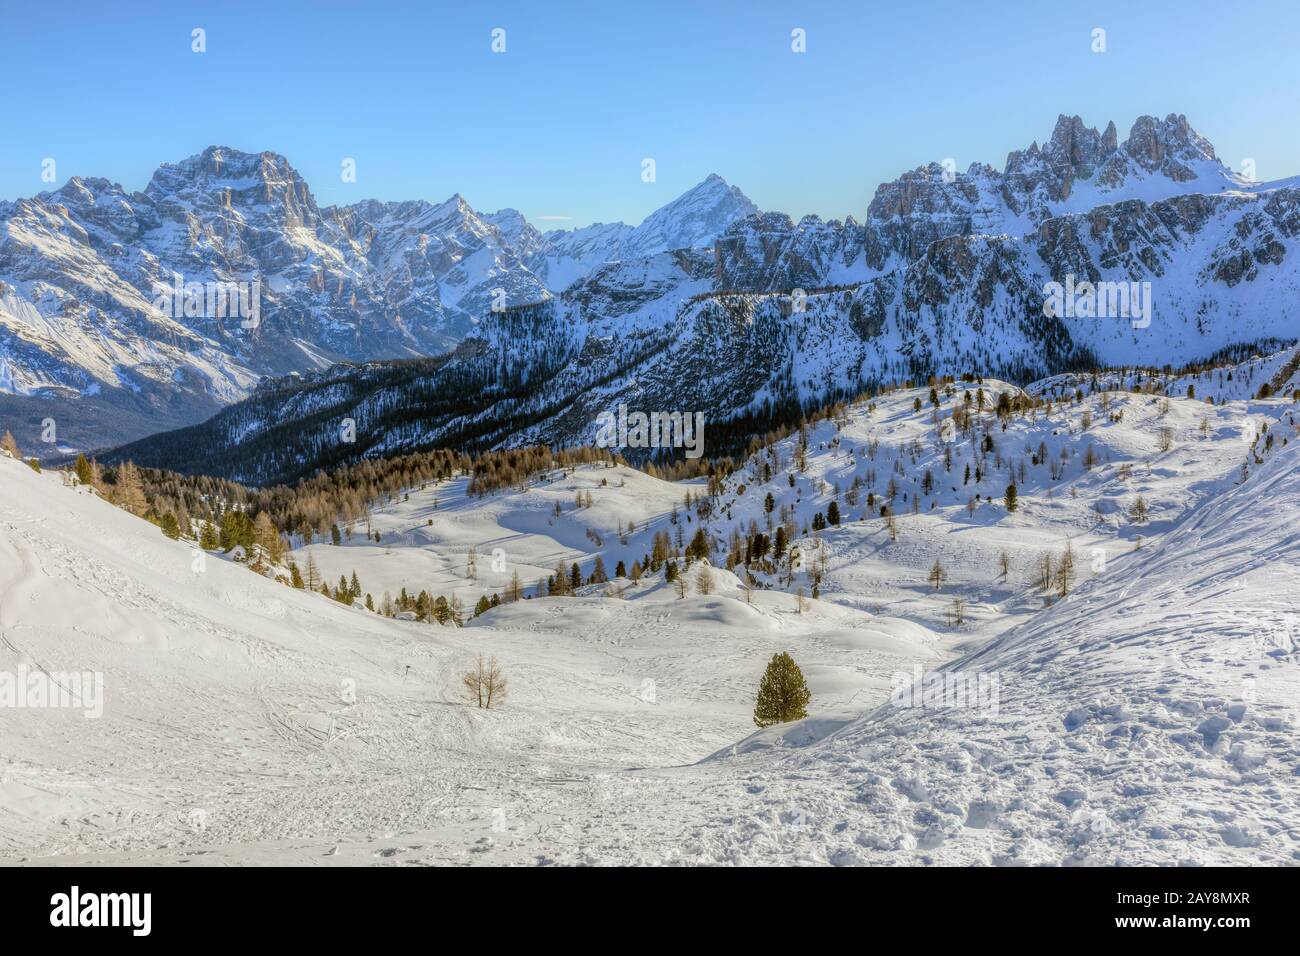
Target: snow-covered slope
[(1079, 467), (245, 721), (1146, 717)]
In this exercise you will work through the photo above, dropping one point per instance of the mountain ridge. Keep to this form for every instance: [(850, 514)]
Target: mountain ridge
[(392, 280)]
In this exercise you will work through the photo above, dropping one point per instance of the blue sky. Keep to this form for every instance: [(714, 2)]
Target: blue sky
[(558, 125)]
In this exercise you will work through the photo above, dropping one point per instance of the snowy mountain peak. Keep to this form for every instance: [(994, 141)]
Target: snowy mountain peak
[(695, 218), (1169, 148), (711, 190), (222, 167), (258, 184), (1078, 168), (380, 280)]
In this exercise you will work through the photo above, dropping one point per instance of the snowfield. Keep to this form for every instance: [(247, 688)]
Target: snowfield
[(246, 721), (1148, 717)]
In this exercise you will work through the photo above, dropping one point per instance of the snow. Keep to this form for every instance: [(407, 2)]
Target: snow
[(1146, 718), (223, 696)]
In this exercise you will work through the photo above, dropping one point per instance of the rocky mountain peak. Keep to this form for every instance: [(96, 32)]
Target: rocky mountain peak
[(262, 183), (1109, 139), (1075, 145), (379, 279), (1168, 144)]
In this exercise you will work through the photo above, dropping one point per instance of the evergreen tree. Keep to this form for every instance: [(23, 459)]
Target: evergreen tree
[(1012, 502), (170, 526), (783, 693), (699, 546), (441, 610), (236, 531), (335, 537), (833, 512), (483, 606), (85, 474), (295, 576), (559, 582)]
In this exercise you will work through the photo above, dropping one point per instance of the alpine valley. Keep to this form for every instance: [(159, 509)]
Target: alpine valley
[(435, 325), (972, 569)]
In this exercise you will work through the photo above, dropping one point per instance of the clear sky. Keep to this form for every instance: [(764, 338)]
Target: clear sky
[(558, 124)]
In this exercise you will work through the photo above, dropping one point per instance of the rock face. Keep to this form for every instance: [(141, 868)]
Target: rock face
[(82, 267), (1078, 169), (746, 314), (1206, 272)]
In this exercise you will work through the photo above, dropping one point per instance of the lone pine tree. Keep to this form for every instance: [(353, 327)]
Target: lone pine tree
[(783, 693)]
